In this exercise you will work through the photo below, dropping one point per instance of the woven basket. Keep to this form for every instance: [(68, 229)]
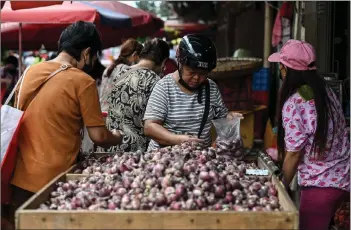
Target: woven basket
[(235, 67)]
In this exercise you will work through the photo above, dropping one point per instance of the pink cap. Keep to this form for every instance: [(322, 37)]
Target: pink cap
[(295, 54)]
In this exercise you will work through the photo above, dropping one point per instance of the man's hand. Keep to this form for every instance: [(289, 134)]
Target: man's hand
[(186, 138), (117, 132), (232, 115)]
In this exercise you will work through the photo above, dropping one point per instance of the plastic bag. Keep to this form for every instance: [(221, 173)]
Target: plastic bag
[(10, 125), (228, 140)]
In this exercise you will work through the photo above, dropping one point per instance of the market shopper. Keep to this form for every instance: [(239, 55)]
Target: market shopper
[(128, 99), (177, 106), (129, 55), (56, 111), (9, 76), (312, 136)]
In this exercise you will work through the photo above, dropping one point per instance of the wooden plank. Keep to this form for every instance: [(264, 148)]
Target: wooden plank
[(155, 220)]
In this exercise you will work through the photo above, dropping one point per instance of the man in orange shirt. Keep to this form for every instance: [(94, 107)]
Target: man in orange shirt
[(57, 110)]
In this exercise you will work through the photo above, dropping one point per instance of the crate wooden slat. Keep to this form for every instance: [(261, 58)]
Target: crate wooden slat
[(27, 217)]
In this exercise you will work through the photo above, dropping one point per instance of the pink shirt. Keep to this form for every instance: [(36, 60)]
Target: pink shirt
[(299, 122)]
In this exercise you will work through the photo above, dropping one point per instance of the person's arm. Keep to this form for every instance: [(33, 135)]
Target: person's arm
[(154, 130), (102, 137), (221, 110), (291, 162), (93, 120)]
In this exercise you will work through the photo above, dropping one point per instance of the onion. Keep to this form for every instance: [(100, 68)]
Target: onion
[(176, 206), (219, 191), (184, 177), (272, 191), (180, 190), (204, 176)]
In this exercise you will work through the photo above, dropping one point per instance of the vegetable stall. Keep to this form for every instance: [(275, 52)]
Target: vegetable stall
[(225, 186), (179, 187)]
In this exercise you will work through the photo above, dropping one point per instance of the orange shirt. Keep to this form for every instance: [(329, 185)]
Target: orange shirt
[(50, 138)]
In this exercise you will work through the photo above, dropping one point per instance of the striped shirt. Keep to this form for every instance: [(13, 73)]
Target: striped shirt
[(180, 112)]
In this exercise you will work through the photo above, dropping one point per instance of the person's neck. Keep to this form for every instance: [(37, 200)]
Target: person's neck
[(65, 58), (143, 63), (176, 77)]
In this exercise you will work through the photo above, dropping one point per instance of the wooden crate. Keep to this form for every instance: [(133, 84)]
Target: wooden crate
[(27, 217)]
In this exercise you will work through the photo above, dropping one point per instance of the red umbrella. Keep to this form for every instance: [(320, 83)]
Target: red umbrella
[(20, 5), (115, 20)]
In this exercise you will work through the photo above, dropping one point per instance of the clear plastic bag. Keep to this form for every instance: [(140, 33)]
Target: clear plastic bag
[(228, 140)]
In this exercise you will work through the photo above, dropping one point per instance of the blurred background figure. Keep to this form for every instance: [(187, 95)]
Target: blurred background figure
[(170, 64), (9, 76), (172, 52), (129, 55)]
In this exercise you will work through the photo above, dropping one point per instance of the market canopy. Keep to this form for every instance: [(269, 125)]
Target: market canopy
[(20, 5), (44, 25)]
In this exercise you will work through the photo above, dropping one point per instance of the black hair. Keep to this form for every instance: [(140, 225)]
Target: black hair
[(293, 81), (11, 60), (79, 36), (155, 50), (53, 56)]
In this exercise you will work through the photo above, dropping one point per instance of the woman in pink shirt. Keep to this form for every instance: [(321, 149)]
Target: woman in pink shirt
[(312, 136)]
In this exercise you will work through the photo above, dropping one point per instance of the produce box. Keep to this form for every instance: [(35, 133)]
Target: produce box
[(29, 217)]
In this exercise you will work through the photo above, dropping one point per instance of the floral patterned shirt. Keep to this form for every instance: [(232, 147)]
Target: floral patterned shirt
[(127, 103), (107, 85), (299, 122)]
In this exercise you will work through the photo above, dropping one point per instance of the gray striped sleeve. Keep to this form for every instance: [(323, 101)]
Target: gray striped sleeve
[(156, 108)]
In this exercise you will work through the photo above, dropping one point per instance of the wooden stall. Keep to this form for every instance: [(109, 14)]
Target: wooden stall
[(29, 217)]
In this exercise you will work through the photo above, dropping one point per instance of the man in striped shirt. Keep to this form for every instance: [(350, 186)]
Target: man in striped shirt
[(176, 108)]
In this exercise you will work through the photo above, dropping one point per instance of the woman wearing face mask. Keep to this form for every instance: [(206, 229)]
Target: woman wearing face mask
[(312, 136), (56, 110), (132, 88), (176, 108), (129, 55)]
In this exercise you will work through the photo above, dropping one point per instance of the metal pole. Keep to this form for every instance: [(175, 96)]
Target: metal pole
[(19, 50), (267, 35)]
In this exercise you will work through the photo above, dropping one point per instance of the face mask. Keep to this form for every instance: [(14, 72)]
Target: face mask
[(12, 71), (87, 68)]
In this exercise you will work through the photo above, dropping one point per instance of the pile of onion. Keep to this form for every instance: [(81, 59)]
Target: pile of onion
[(184, 177)]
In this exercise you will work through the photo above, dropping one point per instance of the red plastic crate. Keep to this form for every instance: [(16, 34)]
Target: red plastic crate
[(260, 97), (237, 93)]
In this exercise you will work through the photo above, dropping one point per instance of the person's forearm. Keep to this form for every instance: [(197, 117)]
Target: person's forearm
[(291, 162), (111, 139), (161, 135)]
